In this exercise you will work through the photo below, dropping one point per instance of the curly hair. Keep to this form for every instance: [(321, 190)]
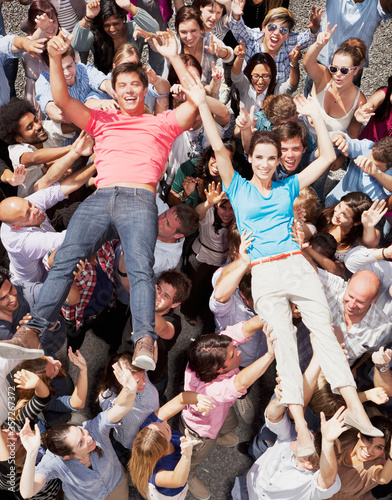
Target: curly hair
[(10, 115)]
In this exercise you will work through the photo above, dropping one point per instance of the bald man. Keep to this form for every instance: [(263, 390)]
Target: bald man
[(27, 233), (361, 317)]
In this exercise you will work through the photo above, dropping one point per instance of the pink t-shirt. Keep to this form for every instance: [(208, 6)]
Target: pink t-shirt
[(374, 131), (131, 148), (222, 392)]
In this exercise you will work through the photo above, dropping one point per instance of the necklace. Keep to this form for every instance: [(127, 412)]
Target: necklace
[(339, 97)]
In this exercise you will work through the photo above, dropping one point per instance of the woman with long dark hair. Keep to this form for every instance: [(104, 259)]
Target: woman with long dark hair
[(104, 28)]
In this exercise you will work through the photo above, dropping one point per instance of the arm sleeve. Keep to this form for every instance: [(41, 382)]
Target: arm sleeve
[(32, 409), (43, 92), (83, 39)]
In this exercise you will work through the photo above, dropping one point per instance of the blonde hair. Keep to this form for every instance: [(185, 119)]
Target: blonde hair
[(307, 199), (150, 445), (124, 51), (280, 13)]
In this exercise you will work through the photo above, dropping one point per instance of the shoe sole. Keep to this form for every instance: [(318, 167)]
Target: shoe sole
[(10, 351), (145, 363)]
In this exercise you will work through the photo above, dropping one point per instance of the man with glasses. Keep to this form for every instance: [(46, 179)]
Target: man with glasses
[(275, 37)]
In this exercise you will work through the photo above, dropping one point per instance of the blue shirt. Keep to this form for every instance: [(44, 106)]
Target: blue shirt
[(81, 482), (355, 180), (5, 53), (88, 80), (269, 218)]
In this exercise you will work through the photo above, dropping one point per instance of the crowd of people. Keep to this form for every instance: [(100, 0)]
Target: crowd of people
[(194, 177)]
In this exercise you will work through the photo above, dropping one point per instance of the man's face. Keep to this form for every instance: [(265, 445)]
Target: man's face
[(27, 214), (8, 298), (233, 359), (164, 299), (357, 299), (169, 226), (130, 93), (31, 130), (378, 164), (69, 70), (292, 151)]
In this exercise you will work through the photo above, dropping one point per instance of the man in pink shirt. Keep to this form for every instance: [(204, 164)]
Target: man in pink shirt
[(213, 370), (131, 151)]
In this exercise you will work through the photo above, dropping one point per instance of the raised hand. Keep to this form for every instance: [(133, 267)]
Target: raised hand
[(166, 44), (371, 217), (93, 8), (148, 37), (377, 395), (366, 165), (295, 55), (34, 47), (19, 176), (31, 440), (187, 444), (43, 22), (58, 45), (382, 357), (267, 329), (240, 50), (246, 241), (124, 377), (324, 37), (315, 19), (364, 112), (340, 142), (196, 92), (214, 47), (334, 427), (214, 194), (305, 106), (217, 73), (237, 8), (26, 380), (189, 185), (77, 359), (84, 144), (246, 120), (204, 404)]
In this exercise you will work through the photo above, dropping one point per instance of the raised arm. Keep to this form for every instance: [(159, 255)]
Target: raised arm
[(77, 179), (225, 167), (30, 482), (126, 398), (327, 153), (75, 111), (78, 398), (317, 72), (177, 404)]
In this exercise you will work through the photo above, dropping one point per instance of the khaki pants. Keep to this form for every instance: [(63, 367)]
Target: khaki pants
[(121, 492), (203, 449)]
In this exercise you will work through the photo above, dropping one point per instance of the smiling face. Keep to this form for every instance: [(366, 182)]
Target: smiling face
[(189, 33), (164, 297), (225, 212), (359, 296), (80, 442), (8, 298), (26, 214), (292, 151), (69, 70), (115, 27), (264, 161), (210, 15), (31, 130), (130, 93), (368, 448), (273, 40), (343, 216), (261, 77)]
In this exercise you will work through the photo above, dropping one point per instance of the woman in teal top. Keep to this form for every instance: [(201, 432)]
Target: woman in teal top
[(280, 272)]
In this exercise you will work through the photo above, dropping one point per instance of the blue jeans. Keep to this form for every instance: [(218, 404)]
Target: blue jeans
[(116, 212)]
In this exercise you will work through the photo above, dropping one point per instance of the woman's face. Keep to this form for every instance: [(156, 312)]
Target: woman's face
[(80, 442), (343, 216), (164, 428), (261, 77), (189, 33), (343, 61), (52, 367), (368, 448), (213, 167), (225, 212), (264, 161), (210, 15), (114, 27)]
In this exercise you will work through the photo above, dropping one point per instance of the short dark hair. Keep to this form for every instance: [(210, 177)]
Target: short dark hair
[(382, 151), (188, 218), (207, 355), (69, 52), (325, 241), (290, 130), (5, 275), (129, 68), (10, 114), (179, 281)]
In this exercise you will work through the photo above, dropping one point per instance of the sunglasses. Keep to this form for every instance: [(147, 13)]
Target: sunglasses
[(345, 71), (273, 27)]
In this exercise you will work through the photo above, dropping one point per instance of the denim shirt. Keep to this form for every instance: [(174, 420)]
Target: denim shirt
[(81, 482)]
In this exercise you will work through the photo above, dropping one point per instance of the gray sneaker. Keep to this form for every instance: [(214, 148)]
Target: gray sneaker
[(143, 357), (24, 344)]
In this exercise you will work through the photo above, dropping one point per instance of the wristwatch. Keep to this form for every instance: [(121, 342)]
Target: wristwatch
[(382, 368)]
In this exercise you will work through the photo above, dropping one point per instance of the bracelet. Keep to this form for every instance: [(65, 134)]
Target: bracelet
[(390, 458), (227, 52), (182, 196), (89, 23), (91, 19), (292, 66), (382, 368), (383, 254)]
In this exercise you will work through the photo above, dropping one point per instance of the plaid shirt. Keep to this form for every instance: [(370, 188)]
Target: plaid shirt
[(253, 38), (87, 280), (373, 331)]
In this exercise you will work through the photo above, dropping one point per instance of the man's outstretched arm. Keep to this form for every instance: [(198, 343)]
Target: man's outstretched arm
[(75, 111)]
